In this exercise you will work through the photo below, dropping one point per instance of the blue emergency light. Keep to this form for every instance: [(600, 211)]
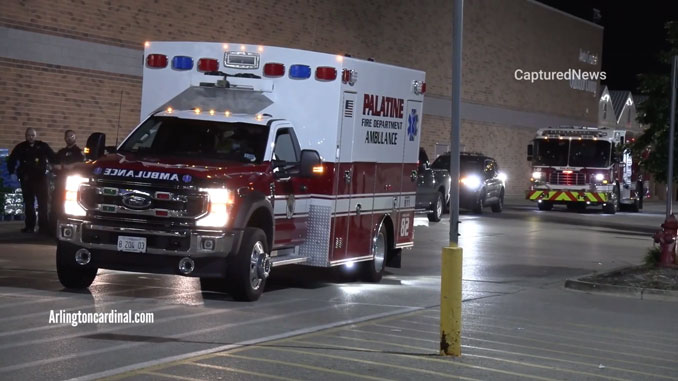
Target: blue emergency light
[(182, 63), (300, 71)]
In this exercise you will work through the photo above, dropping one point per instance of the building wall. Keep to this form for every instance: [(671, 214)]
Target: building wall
[(77, 64)]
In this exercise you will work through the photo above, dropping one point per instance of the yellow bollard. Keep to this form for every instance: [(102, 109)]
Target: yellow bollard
[(450, 301)]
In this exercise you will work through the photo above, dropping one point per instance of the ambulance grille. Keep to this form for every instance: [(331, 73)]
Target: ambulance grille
[(560, 178), (152, 204)]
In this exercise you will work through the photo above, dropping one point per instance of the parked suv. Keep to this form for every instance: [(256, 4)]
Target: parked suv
[(480, 182), (433, 188)]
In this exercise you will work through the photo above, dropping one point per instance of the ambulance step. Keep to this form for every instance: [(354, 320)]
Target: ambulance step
[(287, 260)]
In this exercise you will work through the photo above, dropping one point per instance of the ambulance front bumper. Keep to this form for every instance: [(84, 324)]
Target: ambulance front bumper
[(163, 249)]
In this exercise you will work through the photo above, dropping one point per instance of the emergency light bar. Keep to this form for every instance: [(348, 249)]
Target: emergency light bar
[(583, 133)]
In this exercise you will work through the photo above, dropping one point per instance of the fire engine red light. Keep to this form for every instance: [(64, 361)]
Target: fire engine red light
[(326, 73), (274, 70), (567, 172), (161, 213), (208, 64), (423, 88), (157, 61), (162, 196)]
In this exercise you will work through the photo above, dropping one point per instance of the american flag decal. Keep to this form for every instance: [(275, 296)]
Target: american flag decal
[(348, 109)]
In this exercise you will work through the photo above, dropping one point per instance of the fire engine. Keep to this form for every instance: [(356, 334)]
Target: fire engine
[(584, 166), (247, 158)]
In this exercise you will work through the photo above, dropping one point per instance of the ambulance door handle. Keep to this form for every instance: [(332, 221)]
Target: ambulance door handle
[(358, 208), (413, 176), (347, 176)]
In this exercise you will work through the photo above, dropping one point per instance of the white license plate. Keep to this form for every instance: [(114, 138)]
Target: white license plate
[(132, 244)]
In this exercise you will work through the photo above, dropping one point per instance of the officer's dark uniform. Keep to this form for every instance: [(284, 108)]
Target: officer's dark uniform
[(32, 171), (65, 156)]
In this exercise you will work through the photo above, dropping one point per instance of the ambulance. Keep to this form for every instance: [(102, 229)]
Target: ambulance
[(248, 158)]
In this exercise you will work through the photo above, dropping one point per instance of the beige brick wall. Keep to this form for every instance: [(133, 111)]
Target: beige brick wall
[(52, 99)]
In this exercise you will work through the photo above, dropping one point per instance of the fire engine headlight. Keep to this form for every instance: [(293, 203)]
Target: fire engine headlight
[(471, 182), (71, 205), (599, 177), (536, 175), (220, 202)]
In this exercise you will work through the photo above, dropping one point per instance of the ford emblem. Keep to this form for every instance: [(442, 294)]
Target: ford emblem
[(136, 201)]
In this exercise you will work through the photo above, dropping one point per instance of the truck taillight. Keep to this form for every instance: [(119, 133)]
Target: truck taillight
[(71, 205), (220, 203)]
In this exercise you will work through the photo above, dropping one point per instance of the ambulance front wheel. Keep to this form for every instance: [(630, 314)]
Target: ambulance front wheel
[(70, 273), (373, 271), (249, 269)]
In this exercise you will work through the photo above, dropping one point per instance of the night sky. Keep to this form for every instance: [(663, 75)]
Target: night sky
[(634, 35)]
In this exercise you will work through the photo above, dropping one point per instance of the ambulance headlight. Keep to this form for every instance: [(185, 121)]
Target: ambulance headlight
[(219, 205), (71, 205), (471, 182), (536, 175)]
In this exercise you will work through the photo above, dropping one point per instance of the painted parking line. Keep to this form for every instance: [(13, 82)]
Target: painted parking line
[(538, 348), (171, 360), (430, 349), (242, 371), (381, 364)]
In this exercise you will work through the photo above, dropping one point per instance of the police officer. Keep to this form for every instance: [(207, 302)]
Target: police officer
[(66, 158), (32, 156)]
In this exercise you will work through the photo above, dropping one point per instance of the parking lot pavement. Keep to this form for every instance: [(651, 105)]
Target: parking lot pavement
[(547, 334)]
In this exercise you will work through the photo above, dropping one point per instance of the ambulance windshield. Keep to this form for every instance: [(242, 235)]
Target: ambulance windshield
[(242, 142)]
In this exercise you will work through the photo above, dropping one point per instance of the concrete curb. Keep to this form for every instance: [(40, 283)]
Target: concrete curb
[(623, 291)]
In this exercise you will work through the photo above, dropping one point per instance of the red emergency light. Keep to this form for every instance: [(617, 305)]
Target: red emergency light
[(274, 69), (325, 73), (157, 61), (208, 64)]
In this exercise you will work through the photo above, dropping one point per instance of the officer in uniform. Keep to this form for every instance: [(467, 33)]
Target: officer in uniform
[(32, 156), (66, 158)]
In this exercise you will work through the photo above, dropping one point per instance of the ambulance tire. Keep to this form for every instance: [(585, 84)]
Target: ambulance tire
[(245, 281), (70, 274), (436, 214), (545, 205), (372, 271)]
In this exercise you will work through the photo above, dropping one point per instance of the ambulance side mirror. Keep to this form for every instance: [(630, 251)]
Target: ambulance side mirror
[(96, 146), (529, 152), (310, 162)]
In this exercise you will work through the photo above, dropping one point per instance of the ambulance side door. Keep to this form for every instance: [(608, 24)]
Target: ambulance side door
[(290, 191)]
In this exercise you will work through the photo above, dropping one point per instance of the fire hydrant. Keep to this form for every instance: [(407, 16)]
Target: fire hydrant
[(666, 238)]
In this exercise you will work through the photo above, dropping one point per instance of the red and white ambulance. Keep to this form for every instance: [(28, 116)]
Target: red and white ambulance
[(246, 158)]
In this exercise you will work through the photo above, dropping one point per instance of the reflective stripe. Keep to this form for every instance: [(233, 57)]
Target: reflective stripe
[(567, 196)]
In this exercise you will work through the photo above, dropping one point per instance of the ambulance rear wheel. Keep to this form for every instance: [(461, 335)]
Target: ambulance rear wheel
[(437, 212), (372, 271), (248, 271), (72, 275), (545, 205)]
